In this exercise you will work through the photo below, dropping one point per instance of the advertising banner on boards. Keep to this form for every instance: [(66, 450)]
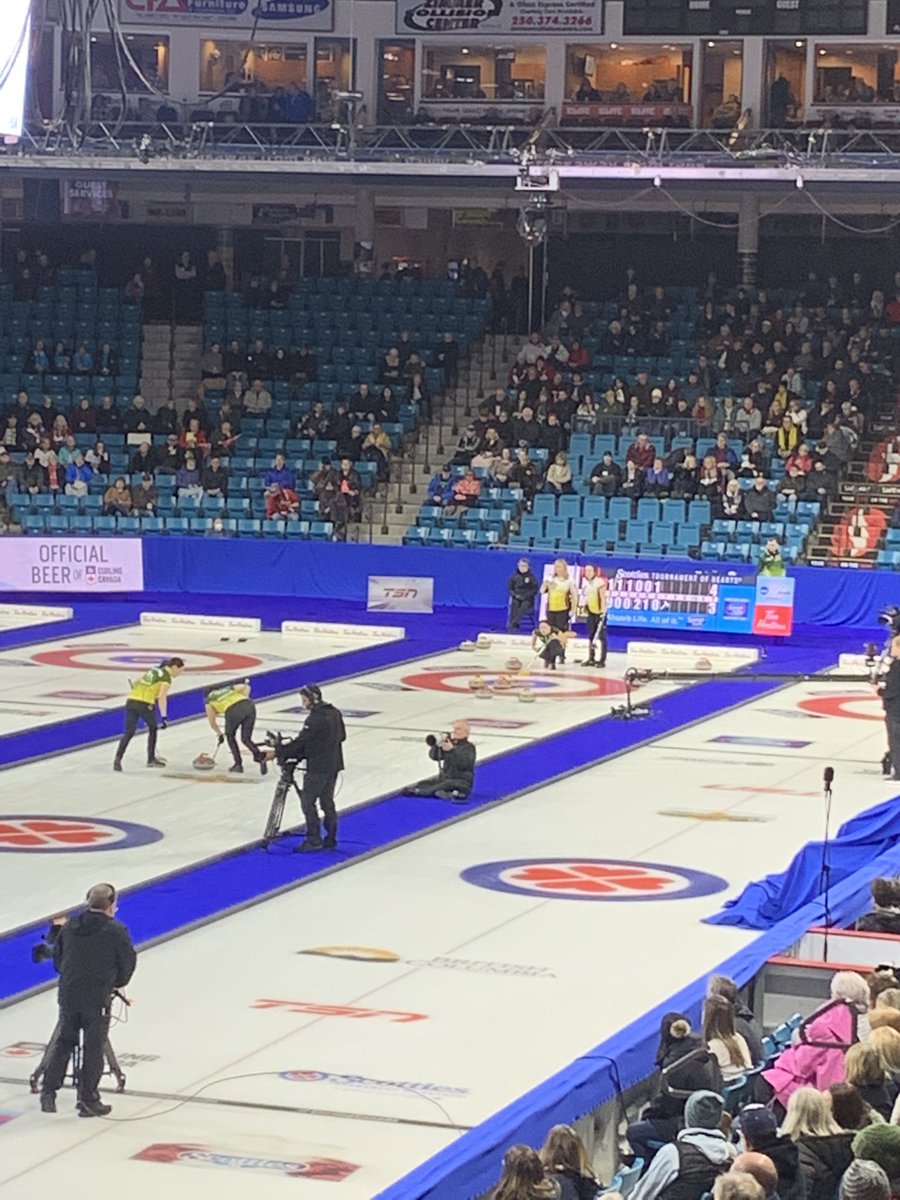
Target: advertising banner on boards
[(268, 15), (72, 564), (499, 16)]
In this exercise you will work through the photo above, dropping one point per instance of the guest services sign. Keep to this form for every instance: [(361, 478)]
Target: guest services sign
[(499, 16)]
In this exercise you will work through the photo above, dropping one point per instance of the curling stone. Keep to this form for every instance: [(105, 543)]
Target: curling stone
[(484, 693), (514, 664), (470, 647), (527, 697), (204, 762), (503, 683), (483, 641), (476, 682)]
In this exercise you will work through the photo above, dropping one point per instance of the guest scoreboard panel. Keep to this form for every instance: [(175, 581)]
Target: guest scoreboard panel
[(704, 599), (698, 599)]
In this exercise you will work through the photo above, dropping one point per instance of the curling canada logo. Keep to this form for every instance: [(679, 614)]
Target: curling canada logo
[(325, 1170), (339, 1010)]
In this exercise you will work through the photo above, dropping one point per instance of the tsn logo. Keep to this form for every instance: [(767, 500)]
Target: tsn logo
[(399, 593), (339, 1010)]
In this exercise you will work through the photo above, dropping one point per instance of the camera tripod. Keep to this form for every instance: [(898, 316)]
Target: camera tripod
[(109, 1057), (276, 812)]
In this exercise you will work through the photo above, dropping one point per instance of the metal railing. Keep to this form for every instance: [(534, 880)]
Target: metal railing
[(462, 143)]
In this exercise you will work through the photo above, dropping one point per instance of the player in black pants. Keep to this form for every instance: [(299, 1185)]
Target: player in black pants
[(319, 743)]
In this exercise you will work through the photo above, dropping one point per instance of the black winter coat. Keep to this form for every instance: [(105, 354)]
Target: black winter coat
[(823, 1160), (93, 955), (319, 741)]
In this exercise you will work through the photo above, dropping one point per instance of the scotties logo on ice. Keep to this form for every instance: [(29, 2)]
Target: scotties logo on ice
[(60, 835), (339, 1010), (371, 954), (325, 1170), (608, 879), (362, 1083)]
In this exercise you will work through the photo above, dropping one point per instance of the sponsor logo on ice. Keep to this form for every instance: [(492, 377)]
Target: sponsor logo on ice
[(371, 954), (607, 879), (339, 1010), (331, 1170), (59, 835), (361, 1083)]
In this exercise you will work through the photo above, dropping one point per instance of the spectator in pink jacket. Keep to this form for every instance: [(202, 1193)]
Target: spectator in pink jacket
[(817, 1059)]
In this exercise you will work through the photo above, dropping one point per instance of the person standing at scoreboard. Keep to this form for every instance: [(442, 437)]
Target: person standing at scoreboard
[(562, 597), (596, 603)]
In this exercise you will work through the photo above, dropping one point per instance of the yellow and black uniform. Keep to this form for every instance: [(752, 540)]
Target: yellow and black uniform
[(559, 601), (232, 700), (141, 706), (595, 601), (548, 646)]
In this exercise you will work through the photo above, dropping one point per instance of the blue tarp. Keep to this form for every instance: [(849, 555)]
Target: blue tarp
[(862, 839)]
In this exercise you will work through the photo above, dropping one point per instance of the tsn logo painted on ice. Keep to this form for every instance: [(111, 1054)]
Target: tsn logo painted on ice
[(339, 1010)]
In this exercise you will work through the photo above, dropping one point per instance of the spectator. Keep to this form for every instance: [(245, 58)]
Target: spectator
[(212, 367), (849, 1109), (7, 524), (279, 473), (881, 1144), (107, 361), (759, 501), (84, 419), (9, 472), (771, 561), (864, 1180), (523, 1177), (502, 467), (376, 448), (685, 1065), (641, 452), (440, 487), (606, 477), (187, 479), (11, 438), (323, 474), (98, 459), (257, 399), (166, 418), (750, 1165), (658, 480), (54, 477), (282, 503), (885, 916), (82, 360), (731, 506), (145, 498), (566, 1162), (61, 359), (759, 1131), (109, 420), (745, 1023), (349, 484), (710, 483), (32, 475), (722, 1040), (725, 457), (117, 499), (865, 1067), (466, 489), (137, 418), (632, 481), (78, 476), (446, 356), (748, 419), (214, 478), (67, 451), (558, 480), (700, 1153), (824, 1148), (143, 459), (59, 431), (685, 477)]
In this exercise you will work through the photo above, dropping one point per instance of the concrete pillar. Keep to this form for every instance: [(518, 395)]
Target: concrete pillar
[(225, 248), (748, 237), (364, 231), (753, 81)]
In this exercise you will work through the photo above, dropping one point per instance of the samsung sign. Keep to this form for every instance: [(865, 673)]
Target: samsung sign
[(317, 15)]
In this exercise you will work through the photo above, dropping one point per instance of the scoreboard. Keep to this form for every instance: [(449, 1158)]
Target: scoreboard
[(724, 18), (710, 600)]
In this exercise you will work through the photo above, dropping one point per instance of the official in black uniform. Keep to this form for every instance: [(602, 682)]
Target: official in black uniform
[(319, 743), (94, 957), (890, 699), (456, 758), (523, 588)]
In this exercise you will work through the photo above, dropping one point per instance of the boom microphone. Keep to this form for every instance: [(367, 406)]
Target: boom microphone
[(828, 776)]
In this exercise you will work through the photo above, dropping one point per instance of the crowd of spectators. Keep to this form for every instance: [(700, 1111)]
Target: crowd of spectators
[(819, 1121), (779, 390)]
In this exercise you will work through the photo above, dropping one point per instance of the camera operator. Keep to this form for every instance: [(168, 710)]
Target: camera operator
[(889, 690), (455, 755), (319, 743), (94, 957)]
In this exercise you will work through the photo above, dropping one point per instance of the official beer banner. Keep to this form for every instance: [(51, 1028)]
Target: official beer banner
[(71, 564), (470, 17), (317, 15)]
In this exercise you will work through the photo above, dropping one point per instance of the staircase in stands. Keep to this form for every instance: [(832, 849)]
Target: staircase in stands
[(388, 514), (863, 505), (170, 363)]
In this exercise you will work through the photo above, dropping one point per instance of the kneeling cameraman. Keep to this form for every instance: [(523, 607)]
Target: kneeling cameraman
[(456, 756)]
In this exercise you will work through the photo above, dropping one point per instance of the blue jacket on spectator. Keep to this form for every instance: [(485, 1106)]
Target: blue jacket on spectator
[(79, 472), (284, 476), (440, 489)]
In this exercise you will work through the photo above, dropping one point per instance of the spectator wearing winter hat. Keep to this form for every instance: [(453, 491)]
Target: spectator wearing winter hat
[(881, 1144), (864, 1180), (759, 1130), (700, 1153)]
